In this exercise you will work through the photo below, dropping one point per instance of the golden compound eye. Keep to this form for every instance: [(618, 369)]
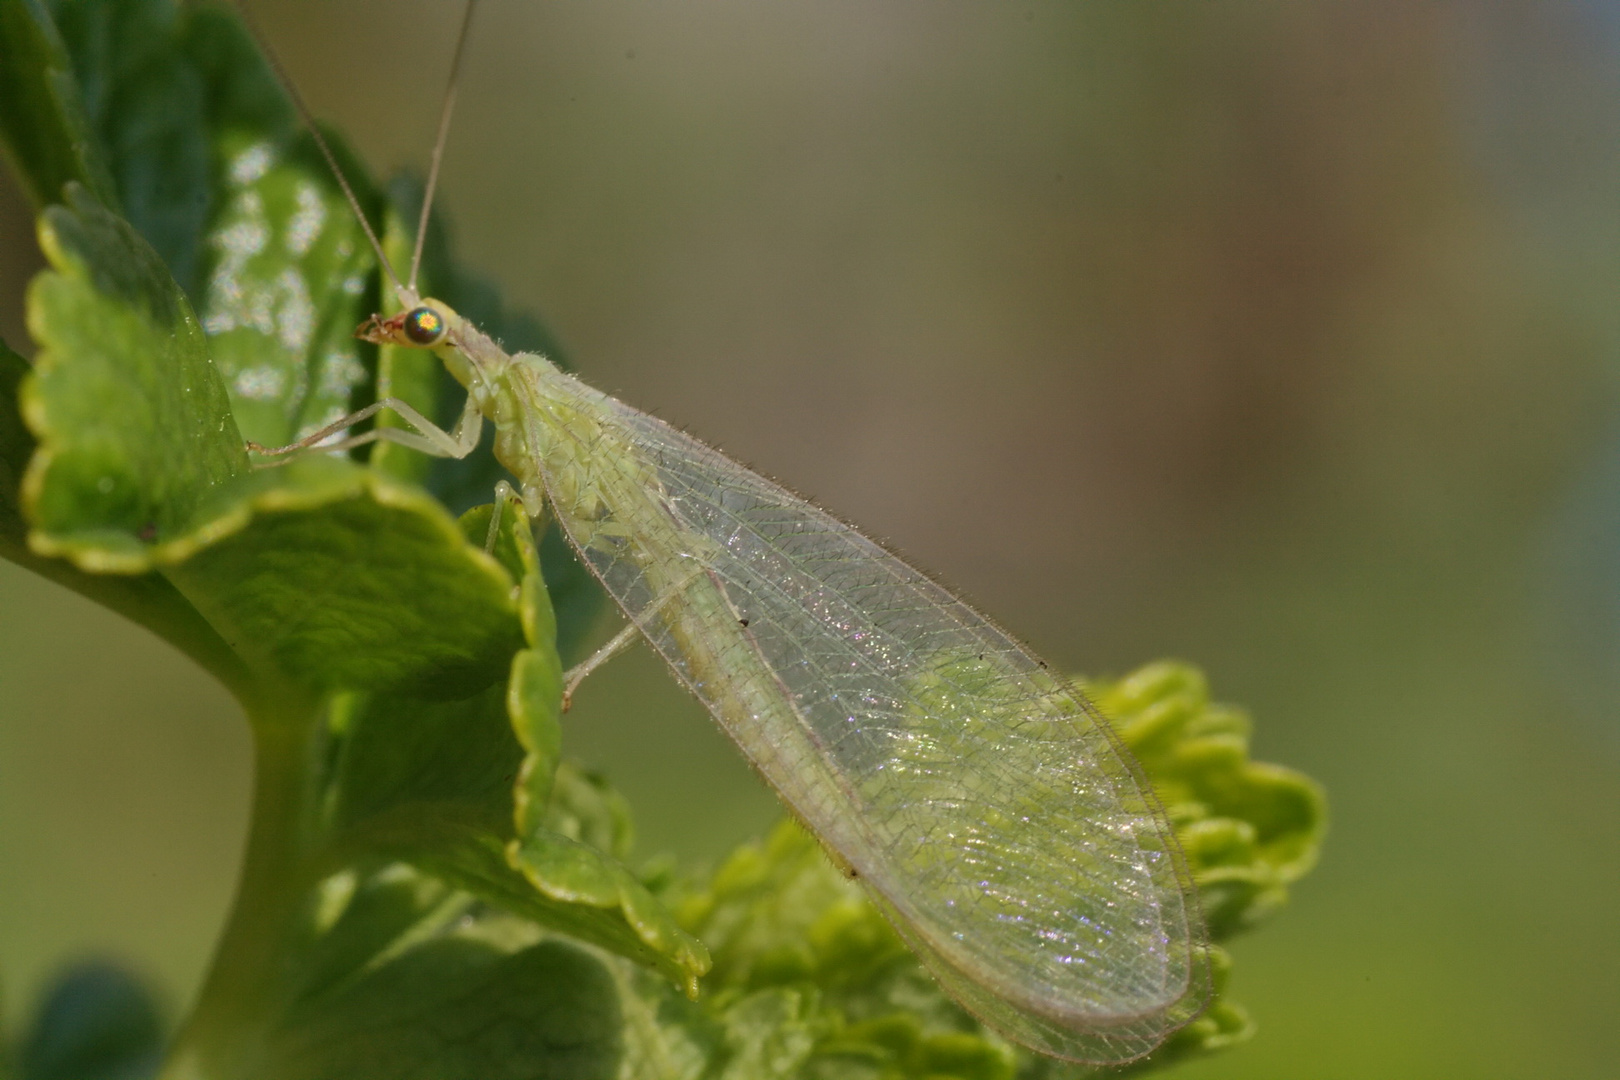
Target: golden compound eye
[(424, 326)]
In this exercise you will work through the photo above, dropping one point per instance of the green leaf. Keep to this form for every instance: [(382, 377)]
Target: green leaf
[(44, 129), (766, 1035), (282, 254), (485, 996), (289, 279), (95, 1023), (567, 834), (240, 89), (593, 897), (554, 882), (325, 575), (136, 437), (215, 174), (144, 102), (586, 808), (457, 758), (148, 599), (133, 426), (464, 789), (325, 578), (474, 760), (16, 442), (359, 916)]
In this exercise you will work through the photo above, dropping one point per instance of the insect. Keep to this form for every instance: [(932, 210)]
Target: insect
[(985, 806)]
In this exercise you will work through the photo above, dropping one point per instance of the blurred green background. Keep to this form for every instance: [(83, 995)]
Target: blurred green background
[(1282, 338)]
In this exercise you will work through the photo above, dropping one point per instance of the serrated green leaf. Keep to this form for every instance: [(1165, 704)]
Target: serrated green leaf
[(147, 599), (44, 129), (463, 789), (133, 426), (596, 898), (478, 759), (462, 756), (16, 442), (534, 687), (556, 883), (325, 575), (404, 977), (585, 807), (483, 999)]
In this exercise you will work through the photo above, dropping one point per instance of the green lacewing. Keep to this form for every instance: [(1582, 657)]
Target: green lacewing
[(987, 808)]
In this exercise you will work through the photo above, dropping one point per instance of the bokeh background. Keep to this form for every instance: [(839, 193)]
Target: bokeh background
[(1282, 338)]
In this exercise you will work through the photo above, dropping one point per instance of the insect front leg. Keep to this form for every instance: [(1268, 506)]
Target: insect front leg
[(428, 437)]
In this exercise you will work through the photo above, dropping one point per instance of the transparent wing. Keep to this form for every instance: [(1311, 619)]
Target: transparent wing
[(987, 809)]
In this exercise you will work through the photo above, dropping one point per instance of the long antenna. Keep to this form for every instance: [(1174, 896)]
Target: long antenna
[(320, 141), (438, 143)]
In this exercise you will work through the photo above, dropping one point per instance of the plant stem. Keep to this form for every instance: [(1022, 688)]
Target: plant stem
[(251, 976)]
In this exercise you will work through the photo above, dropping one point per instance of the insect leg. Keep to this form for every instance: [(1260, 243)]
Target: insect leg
[(576, 674), (503, 492), (619, 642), (428, 437)]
